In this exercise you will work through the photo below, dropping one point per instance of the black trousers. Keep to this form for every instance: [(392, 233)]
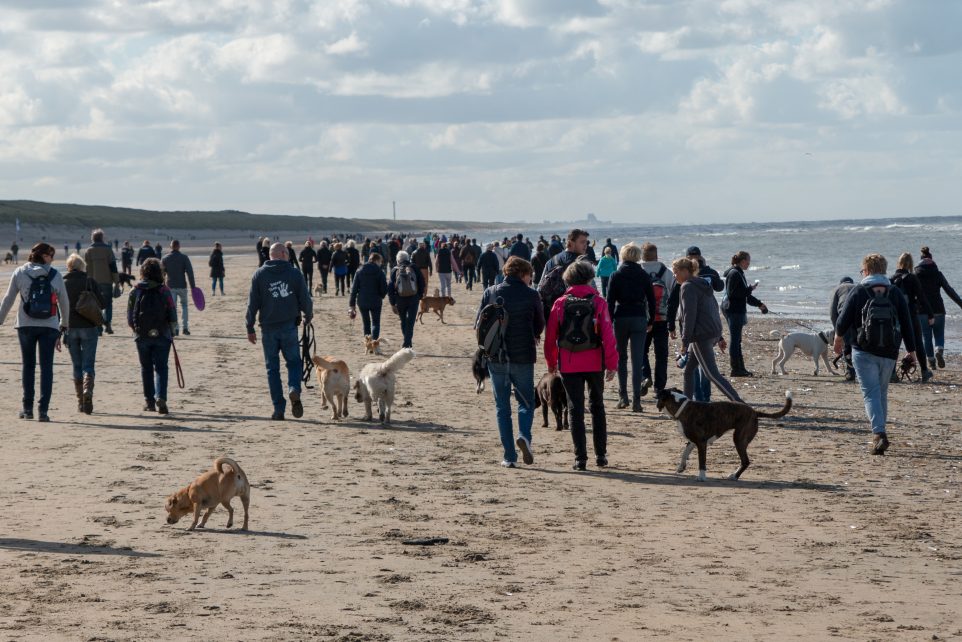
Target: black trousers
[(659, 337), (324, 272), (574, 383), (308, 276)]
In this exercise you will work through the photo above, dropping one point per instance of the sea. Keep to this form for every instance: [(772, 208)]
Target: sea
[(799, 264)]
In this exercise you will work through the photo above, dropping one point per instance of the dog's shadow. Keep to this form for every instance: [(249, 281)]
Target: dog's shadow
[(397, 426), (237, 531), (652, 478), (40, 546), (152, 428)]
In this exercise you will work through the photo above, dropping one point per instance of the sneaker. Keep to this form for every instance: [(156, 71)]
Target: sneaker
[(508, 464), (940, 358), (880, 443), (26, 414), (580, 465), (149, 406), (927, 376), (622, 403), (162, 406), (186, 332), (277, 416), (297, 408), (645, 386), (525, 449), (602, 462), (43, 417)]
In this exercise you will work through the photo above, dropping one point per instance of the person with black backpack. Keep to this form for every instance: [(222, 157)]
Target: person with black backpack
[(405, 291), (919, 308), (152, 315), (580, 344), (552, 285), (879, 314), (509, 324), (41, 318)]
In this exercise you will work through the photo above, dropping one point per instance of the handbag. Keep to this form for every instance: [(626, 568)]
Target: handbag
[(88, 307)]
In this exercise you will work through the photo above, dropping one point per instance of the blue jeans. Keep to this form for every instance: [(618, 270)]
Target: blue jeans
[(107, 294), (214, 280), (604, 286), (503, 377), (874, 374), (938, 330), (277, 341), (371, 318), (633, 330), (181, 295), (154, 353), (736, 323), (33, 338), (82, 344), (702, 386), (407, 309)]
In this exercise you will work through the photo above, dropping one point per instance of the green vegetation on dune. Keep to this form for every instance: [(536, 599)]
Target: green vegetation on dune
[(68, 214)]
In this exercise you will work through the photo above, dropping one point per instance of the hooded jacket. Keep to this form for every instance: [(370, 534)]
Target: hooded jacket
[(20, 288), (851, 316), (369, 287), (604, 357), (698, 312), (933, 281), (279, 295)]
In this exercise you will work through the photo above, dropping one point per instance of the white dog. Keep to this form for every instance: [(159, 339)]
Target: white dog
[(376, 382), (814, 345)]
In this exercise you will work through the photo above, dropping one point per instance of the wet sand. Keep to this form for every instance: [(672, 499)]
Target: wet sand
[(819, 539)]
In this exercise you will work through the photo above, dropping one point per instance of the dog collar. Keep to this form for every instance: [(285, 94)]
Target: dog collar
[(821, 335), (684, 404)]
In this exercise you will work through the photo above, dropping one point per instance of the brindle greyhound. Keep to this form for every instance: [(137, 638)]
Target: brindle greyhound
[(702, 423)]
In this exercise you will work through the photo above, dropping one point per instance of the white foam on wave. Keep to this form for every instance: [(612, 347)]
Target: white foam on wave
[(756, 268), (787, 288), (790, 267)]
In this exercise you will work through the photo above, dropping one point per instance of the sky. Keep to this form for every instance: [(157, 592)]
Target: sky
[(657, 111)]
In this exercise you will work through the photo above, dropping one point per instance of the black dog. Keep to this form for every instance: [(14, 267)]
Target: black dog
[(702, 423), (550, 393), (479, 368)]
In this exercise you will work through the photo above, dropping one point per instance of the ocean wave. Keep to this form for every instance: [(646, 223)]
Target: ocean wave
[(858, 228), (790, 267), (787, 288), (756, 268), (908, 225)]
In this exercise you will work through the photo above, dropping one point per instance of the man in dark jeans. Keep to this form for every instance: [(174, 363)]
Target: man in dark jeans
[(403, 304), (102, 268), (514, 366), (279, 294)]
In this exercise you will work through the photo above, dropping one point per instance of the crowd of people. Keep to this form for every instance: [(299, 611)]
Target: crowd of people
[(592, 318)]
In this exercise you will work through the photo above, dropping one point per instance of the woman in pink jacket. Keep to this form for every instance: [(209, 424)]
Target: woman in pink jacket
[(580, 343)]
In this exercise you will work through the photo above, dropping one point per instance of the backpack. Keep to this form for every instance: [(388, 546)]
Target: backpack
[(406, 281), (150, 313), (880, 323), (661, 293), (552, 286), (492, 323), (579, 331), (41, 301)]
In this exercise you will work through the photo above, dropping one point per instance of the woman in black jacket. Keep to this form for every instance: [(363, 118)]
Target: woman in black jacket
[(367, 292), (216, 263), (324, 264), (933, 282), (307, 258), (631, 304), (539, 260), (919, 308), (738, 296), (82, 337), (353, 261)]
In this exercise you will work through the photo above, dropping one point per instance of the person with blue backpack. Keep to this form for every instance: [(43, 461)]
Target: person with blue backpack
[(878, 312), (41, 319)]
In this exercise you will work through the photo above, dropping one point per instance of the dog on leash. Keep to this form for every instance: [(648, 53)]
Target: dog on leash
[(479, 368), (335, 383), (376, 384), (815, 345), (550, 393), (434, 303), (372, 346), (702, 423), (224, 481)]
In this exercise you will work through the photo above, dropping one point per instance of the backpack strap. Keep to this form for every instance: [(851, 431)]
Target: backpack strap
[(661, 272)]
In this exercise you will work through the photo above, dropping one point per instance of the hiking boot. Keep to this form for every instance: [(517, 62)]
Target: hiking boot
[(186, 332), (580, 465), (927, 375), (277, 416), (602, 462), (26, 414), (932, 365), (297, 408), (880, 443), (940, 357), (162, 407), (525, 449), (78, 386), (508, 464), (636, 405), (149, 405), (88, 394), (645, 386)]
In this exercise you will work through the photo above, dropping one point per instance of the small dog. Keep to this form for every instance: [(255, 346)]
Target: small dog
[(318, 290), (814, 345), (216, 486), (479, 368), (372, 346), (550, 393), (376, 383), (702, 423), (435, 303), (8, 258), (335, 383)]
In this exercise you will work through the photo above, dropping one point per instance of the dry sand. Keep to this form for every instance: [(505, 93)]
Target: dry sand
[(819, 539)]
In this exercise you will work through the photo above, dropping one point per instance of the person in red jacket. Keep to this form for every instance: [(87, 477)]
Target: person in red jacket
[(580, 344)]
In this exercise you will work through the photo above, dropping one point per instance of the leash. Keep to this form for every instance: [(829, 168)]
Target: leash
[(308, 350), (796, 321), (180, 372)]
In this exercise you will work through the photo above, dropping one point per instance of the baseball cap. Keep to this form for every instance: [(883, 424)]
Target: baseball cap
[(693, 251)]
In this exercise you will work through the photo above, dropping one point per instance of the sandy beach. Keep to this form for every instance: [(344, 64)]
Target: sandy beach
[(818, 540)]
